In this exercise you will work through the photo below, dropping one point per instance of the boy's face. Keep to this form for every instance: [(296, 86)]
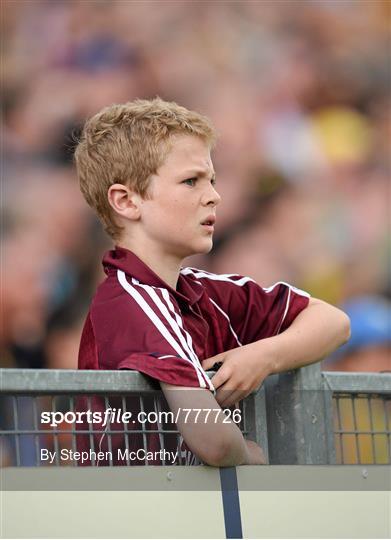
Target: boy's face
[(178, 218)]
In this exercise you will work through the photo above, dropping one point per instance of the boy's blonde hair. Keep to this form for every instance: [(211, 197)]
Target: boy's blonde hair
[(128, 143)]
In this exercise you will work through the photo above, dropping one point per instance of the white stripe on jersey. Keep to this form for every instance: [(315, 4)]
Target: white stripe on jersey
[(291, 287), (174, 325), (286, 310), (189, 340), (216, 277), (156, 321), (229, 322), (242, 281), (179, 321)]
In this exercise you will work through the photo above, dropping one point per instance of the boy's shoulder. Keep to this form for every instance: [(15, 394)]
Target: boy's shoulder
[(209, 278), (127, 275), (221, 288)]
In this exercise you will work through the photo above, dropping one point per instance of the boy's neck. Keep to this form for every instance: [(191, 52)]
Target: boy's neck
[(165, 266)]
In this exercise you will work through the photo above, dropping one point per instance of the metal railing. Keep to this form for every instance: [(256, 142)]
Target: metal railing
[(26, 394), (301, 417), (319, 417), (362, 417)]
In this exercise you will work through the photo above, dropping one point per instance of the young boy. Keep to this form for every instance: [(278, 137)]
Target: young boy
[(146, 168)]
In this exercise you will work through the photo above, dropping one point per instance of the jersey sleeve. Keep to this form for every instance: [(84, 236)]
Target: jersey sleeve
[(253, 312), (137, 327)]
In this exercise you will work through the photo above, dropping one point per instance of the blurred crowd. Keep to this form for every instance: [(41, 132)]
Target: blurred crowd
[(300, 94)]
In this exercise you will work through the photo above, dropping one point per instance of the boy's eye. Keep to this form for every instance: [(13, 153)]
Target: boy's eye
[(190, 181)]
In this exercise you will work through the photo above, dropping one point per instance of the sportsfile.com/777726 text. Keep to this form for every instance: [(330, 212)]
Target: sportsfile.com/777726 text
[(110, 416)]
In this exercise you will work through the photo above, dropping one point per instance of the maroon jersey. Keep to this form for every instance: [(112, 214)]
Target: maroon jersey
[(136, 321)]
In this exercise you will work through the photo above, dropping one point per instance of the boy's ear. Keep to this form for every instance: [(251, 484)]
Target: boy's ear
[(124, 201)]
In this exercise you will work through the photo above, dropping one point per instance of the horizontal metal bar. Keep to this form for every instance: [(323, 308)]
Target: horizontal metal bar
[(358, 432), (10, 433), (357, 383), (278, 478), (69, 381), (81, 432)]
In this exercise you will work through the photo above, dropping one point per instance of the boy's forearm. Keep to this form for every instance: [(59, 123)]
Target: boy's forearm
[(223, 444), (232, 451), (316, 332), (243, 452), (213, 438), (238, 451)]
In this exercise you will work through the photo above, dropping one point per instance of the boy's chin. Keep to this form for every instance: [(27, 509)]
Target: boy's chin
[(201, 249), (205, 247)]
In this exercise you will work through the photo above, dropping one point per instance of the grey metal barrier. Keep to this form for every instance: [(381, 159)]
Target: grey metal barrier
[(319, 418), (26, 394), (300, 417)]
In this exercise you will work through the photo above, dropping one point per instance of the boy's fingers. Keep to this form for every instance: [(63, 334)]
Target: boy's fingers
[(210, 362), (227, 398), (223, 392), (220, 378)]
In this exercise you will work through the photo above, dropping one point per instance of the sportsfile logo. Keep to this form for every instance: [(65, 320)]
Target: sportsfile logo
[(112, 416), (109, 416)]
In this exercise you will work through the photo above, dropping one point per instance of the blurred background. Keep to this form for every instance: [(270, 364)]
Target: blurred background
[(300, 94)]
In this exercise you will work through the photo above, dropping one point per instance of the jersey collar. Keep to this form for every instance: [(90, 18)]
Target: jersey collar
[(188, 290)]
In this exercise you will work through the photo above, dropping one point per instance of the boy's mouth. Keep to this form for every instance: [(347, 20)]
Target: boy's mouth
[(209, 221)]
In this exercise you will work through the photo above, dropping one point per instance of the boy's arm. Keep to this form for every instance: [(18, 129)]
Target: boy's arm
[(208, 433), (317, 331)]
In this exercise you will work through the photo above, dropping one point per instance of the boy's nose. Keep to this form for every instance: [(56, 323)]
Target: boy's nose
[(211, 197)]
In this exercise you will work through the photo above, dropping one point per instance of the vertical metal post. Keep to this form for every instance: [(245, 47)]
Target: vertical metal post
[(156, 405), (109, 433), (91, 433), (126, 430), (369, 402), (355, 429), (143, 430), (339, 430), (387, 427), (299, 417), (329, 423), (36, 436), (55, 433), (16, 427), (73, 431), (256, 423)]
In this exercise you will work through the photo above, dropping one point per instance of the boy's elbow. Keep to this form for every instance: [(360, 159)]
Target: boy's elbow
[(340, 322), (223, 453), (337, 320), (345, 328)]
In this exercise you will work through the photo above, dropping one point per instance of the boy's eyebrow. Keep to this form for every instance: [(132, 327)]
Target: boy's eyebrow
[(198, 172)]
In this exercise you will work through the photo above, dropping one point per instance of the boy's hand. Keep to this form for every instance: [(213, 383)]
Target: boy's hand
[(243, 370), (255, 455)]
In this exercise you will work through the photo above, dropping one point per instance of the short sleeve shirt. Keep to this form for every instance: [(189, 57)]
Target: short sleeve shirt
[(136, 321)]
